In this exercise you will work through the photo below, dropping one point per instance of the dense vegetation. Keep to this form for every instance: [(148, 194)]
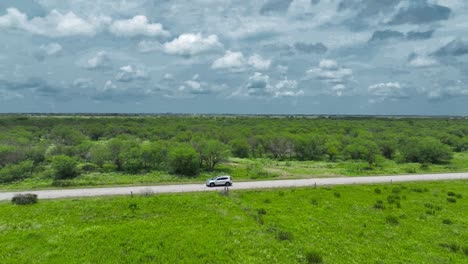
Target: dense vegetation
[(404, 223), (61, 148)]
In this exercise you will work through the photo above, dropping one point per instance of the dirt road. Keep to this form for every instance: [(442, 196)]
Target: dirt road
[(66, 193)]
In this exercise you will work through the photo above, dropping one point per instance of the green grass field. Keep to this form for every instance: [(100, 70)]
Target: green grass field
[(245, 170), (399, 223)]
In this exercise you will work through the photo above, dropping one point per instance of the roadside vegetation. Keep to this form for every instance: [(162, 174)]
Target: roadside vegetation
[(39, 152), (387, 223)]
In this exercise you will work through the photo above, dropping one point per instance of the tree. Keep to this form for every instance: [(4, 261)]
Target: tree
[(99, 154), (240, 148), (310, 147), (183, 159), (362, 150), (16, 172), (65, 167), (211, 152), (65, 135), (388, 148), (153, 155), (425, 150)]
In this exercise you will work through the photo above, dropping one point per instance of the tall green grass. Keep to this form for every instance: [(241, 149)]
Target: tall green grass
[(270, 226)]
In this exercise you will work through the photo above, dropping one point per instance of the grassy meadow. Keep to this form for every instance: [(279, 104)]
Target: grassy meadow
[(392, 223)]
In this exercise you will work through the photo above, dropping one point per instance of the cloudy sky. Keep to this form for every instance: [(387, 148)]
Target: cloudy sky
[(230, 56)]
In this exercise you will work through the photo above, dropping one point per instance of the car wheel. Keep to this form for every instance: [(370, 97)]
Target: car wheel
[(211, 184), (228, 184)]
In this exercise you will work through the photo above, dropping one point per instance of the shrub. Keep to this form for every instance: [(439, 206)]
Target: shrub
[(133, 207), (88, 167), (65, 167), (62, 183), (283, 235), (184, 160), (313, 257), (377, 191), (451, 200), (314, 202), (392, 220), (16, 172), (261, 211), (279, 234), (418, 190), (429, 205), (393, 198), (451, 194), (430, 212), (24, 199), (447, 222), (465, 250), (337, 194), (109, 167), (379, 205), (454, 247), (459, 196), (267, 201), (425, 151)]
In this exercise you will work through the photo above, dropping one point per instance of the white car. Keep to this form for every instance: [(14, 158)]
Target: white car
[(224, 180)]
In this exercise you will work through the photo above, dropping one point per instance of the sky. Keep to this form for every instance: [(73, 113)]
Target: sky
[(386, 57)]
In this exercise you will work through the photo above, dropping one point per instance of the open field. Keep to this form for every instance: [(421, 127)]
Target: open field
[(391, 223)]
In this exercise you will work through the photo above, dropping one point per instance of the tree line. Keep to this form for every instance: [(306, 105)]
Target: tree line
[(64, 147)]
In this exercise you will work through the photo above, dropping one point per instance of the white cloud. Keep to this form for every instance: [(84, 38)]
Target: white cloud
[(390, 90), (138, 25), (328, 64), (51, 49), (55, 24), (192, 44), (98, 60), (329, 72), (258, 62), (131, 73), (452, 89), (197, 87), (259, 85), (230, 59), (109, 86), (421, 61), (286, 88), (236, 61)]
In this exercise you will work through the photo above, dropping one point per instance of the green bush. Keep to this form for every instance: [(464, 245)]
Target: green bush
[(16, 172), (451, 200), (109, 167), (379, 205), (425, 151), (64, 167), (313, 257), (392, 220), (447, 222), (24, 199), (184, 160), (88, 167)]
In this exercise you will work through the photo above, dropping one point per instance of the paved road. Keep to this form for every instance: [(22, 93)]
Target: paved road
[(53, 194)]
